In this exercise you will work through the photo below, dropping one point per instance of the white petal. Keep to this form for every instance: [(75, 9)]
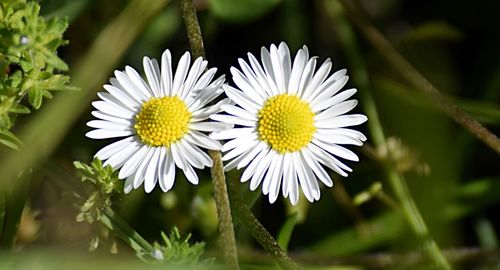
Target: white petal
[(113, 148), (152, 74), (131, 165), (140, 173), (205, 79), (167, 178), (241, 140), (311, 179), (138, 81), (191, 175), (251, 89), (233, 120), (336, 110), (203, 140), (268, 177), (198, 66), (318, 78), (240, 149), (166, 73), (307, 75), (336, 150), (181, 73), (298, 67), (107, 117), (237, 111), (231, 133), (328, 88), (250, 155), (126, 83), (337, 139), (210, 126), (119, 158), (261, 169), (250, 170), (242, 99), (256, 86), (343, 131), (268, 67), (328, 102), (108, 125), (267, 85), (277, 69), (177, 155), (108, 133), (342, 121), (122, 96), (113, 110), (302, 177), (129, 184), (286, 62), (194, 155), (274, 189), (316, 167), (328, 160), (152, 171)]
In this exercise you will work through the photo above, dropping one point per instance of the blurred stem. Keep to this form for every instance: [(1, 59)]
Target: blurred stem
[(399, 63), (258, 231), (118, 226), (192, 28), (224, 211), (45, 130), (397, 181), (226, 228)]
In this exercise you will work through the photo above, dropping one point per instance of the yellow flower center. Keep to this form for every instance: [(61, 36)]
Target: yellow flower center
[(162, 121), (286, 123)]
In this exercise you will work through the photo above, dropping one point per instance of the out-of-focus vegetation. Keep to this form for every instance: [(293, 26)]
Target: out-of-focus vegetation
[(358, 224)]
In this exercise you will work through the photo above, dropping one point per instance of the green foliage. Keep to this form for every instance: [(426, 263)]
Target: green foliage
[(105, 184), (176, 250), (28, 61), (242, 10)]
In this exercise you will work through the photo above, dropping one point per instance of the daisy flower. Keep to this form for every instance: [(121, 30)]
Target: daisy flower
[(290, 122), (162, 119)]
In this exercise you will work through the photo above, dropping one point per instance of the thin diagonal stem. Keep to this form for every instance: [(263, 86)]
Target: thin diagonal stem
[(258, 231), (226, 228), (393, 57), (396, 181)]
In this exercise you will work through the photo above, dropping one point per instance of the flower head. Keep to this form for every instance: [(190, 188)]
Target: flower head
[(290, 121), (162, 119)]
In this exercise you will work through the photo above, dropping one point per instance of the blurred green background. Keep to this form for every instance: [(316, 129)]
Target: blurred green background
[(453, 177)]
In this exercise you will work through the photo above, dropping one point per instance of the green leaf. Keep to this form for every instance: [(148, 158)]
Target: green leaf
[(434, 31), (19, 109), (242, 10), (35, 97), (285, 234), (9, 139)]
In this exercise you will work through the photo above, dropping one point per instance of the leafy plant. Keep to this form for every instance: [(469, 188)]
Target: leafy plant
[(28, 62)]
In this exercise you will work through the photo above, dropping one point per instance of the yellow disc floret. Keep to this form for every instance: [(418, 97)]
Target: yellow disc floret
[(286, 123), (162, 121)]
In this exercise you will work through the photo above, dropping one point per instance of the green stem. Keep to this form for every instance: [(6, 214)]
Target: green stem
[(226, 228), (393, 57), (258, 231), (224, 211), (116, 224), (397, 181)]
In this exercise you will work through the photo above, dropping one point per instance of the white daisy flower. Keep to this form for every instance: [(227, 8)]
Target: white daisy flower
[(162, 119), (290, 123)]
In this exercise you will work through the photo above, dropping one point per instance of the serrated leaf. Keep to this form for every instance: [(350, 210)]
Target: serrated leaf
[(242, 10), (9, 139), (19, 109), (35, 97)]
